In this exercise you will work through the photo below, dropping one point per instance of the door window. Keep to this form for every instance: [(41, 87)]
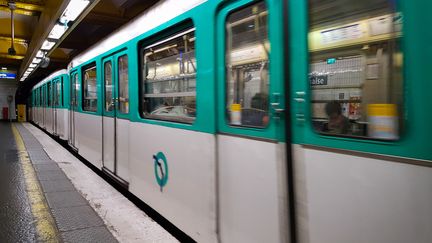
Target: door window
[(74, 90), (109, 102), (49, 94), (57, 92), (89, 89), (355, 69), (61, 91), (247, 67), (123, 80)]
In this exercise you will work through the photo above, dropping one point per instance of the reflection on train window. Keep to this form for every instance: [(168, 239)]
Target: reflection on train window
[(109, 100), (247, 67), (355, 71), (123, 84), (169, 79), (89, 89), (49, 94)]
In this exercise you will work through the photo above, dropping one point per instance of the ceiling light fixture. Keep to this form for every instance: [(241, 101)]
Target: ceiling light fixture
[(36, 60), (47, 45), (57, 31), (73, 10), (40, 54)]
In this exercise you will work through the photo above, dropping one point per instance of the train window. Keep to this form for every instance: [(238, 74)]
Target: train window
[(56, 93), (355, 69), (74, 90), (247, 67), (89, 89), (109, 101), (123, 78), (61, 92), (43, 89), (169, 79), (49, 91)]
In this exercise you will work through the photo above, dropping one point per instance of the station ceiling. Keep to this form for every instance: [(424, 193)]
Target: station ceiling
[(33, 20)]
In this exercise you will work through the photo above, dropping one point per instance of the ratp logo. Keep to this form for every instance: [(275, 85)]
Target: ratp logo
[(160, 169)]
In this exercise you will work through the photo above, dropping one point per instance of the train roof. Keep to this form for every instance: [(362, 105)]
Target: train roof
[(51, 76), (162, 12)]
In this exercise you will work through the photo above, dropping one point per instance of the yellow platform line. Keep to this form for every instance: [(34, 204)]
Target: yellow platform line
[(44, 222)]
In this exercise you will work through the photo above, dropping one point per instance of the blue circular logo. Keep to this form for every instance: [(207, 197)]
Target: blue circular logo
[(160, 169)]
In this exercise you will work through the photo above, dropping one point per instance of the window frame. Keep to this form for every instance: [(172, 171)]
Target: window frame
[(275, 128), (84, 69), (413, 138), (45, 96), (400, 118), (118, 86), (62, 90), (237, 93), (49, 94), (110, 61), (167, 35), (74, 91)]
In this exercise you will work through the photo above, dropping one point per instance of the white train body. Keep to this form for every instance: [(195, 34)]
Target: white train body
[(220, 184)]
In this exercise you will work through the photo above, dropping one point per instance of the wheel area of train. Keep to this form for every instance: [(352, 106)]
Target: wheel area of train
[(48, 195)]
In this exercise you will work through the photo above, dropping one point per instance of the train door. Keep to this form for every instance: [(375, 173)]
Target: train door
[(115, 128), (74, 84), (251, 141)]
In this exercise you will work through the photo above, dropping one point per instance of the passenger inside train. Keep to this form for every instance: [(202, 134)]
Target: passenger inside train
[(337, 122)]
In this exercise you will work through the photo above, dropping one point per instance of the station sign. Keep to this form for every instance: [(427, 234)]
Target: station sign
[(7, 75)]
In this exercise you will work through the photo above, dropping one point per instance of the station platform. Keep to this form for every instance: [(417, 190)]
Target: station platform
[(48, 195)]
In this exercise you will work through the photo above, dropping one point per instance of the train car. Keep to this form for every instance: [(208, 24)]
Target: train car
[(49, 107), (264, 121)]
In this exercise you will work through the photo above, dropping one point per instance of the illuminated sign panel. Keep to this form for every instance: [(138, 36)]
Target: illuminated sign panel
[(5, 75)]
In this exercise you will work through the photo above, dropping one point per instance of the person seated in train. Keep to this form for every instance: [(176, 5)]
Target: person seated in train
[(337, 122), (257, 115)]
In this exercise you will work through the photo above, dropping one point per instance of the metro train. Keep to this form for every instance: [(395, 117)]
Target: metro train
[(260, 121)]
